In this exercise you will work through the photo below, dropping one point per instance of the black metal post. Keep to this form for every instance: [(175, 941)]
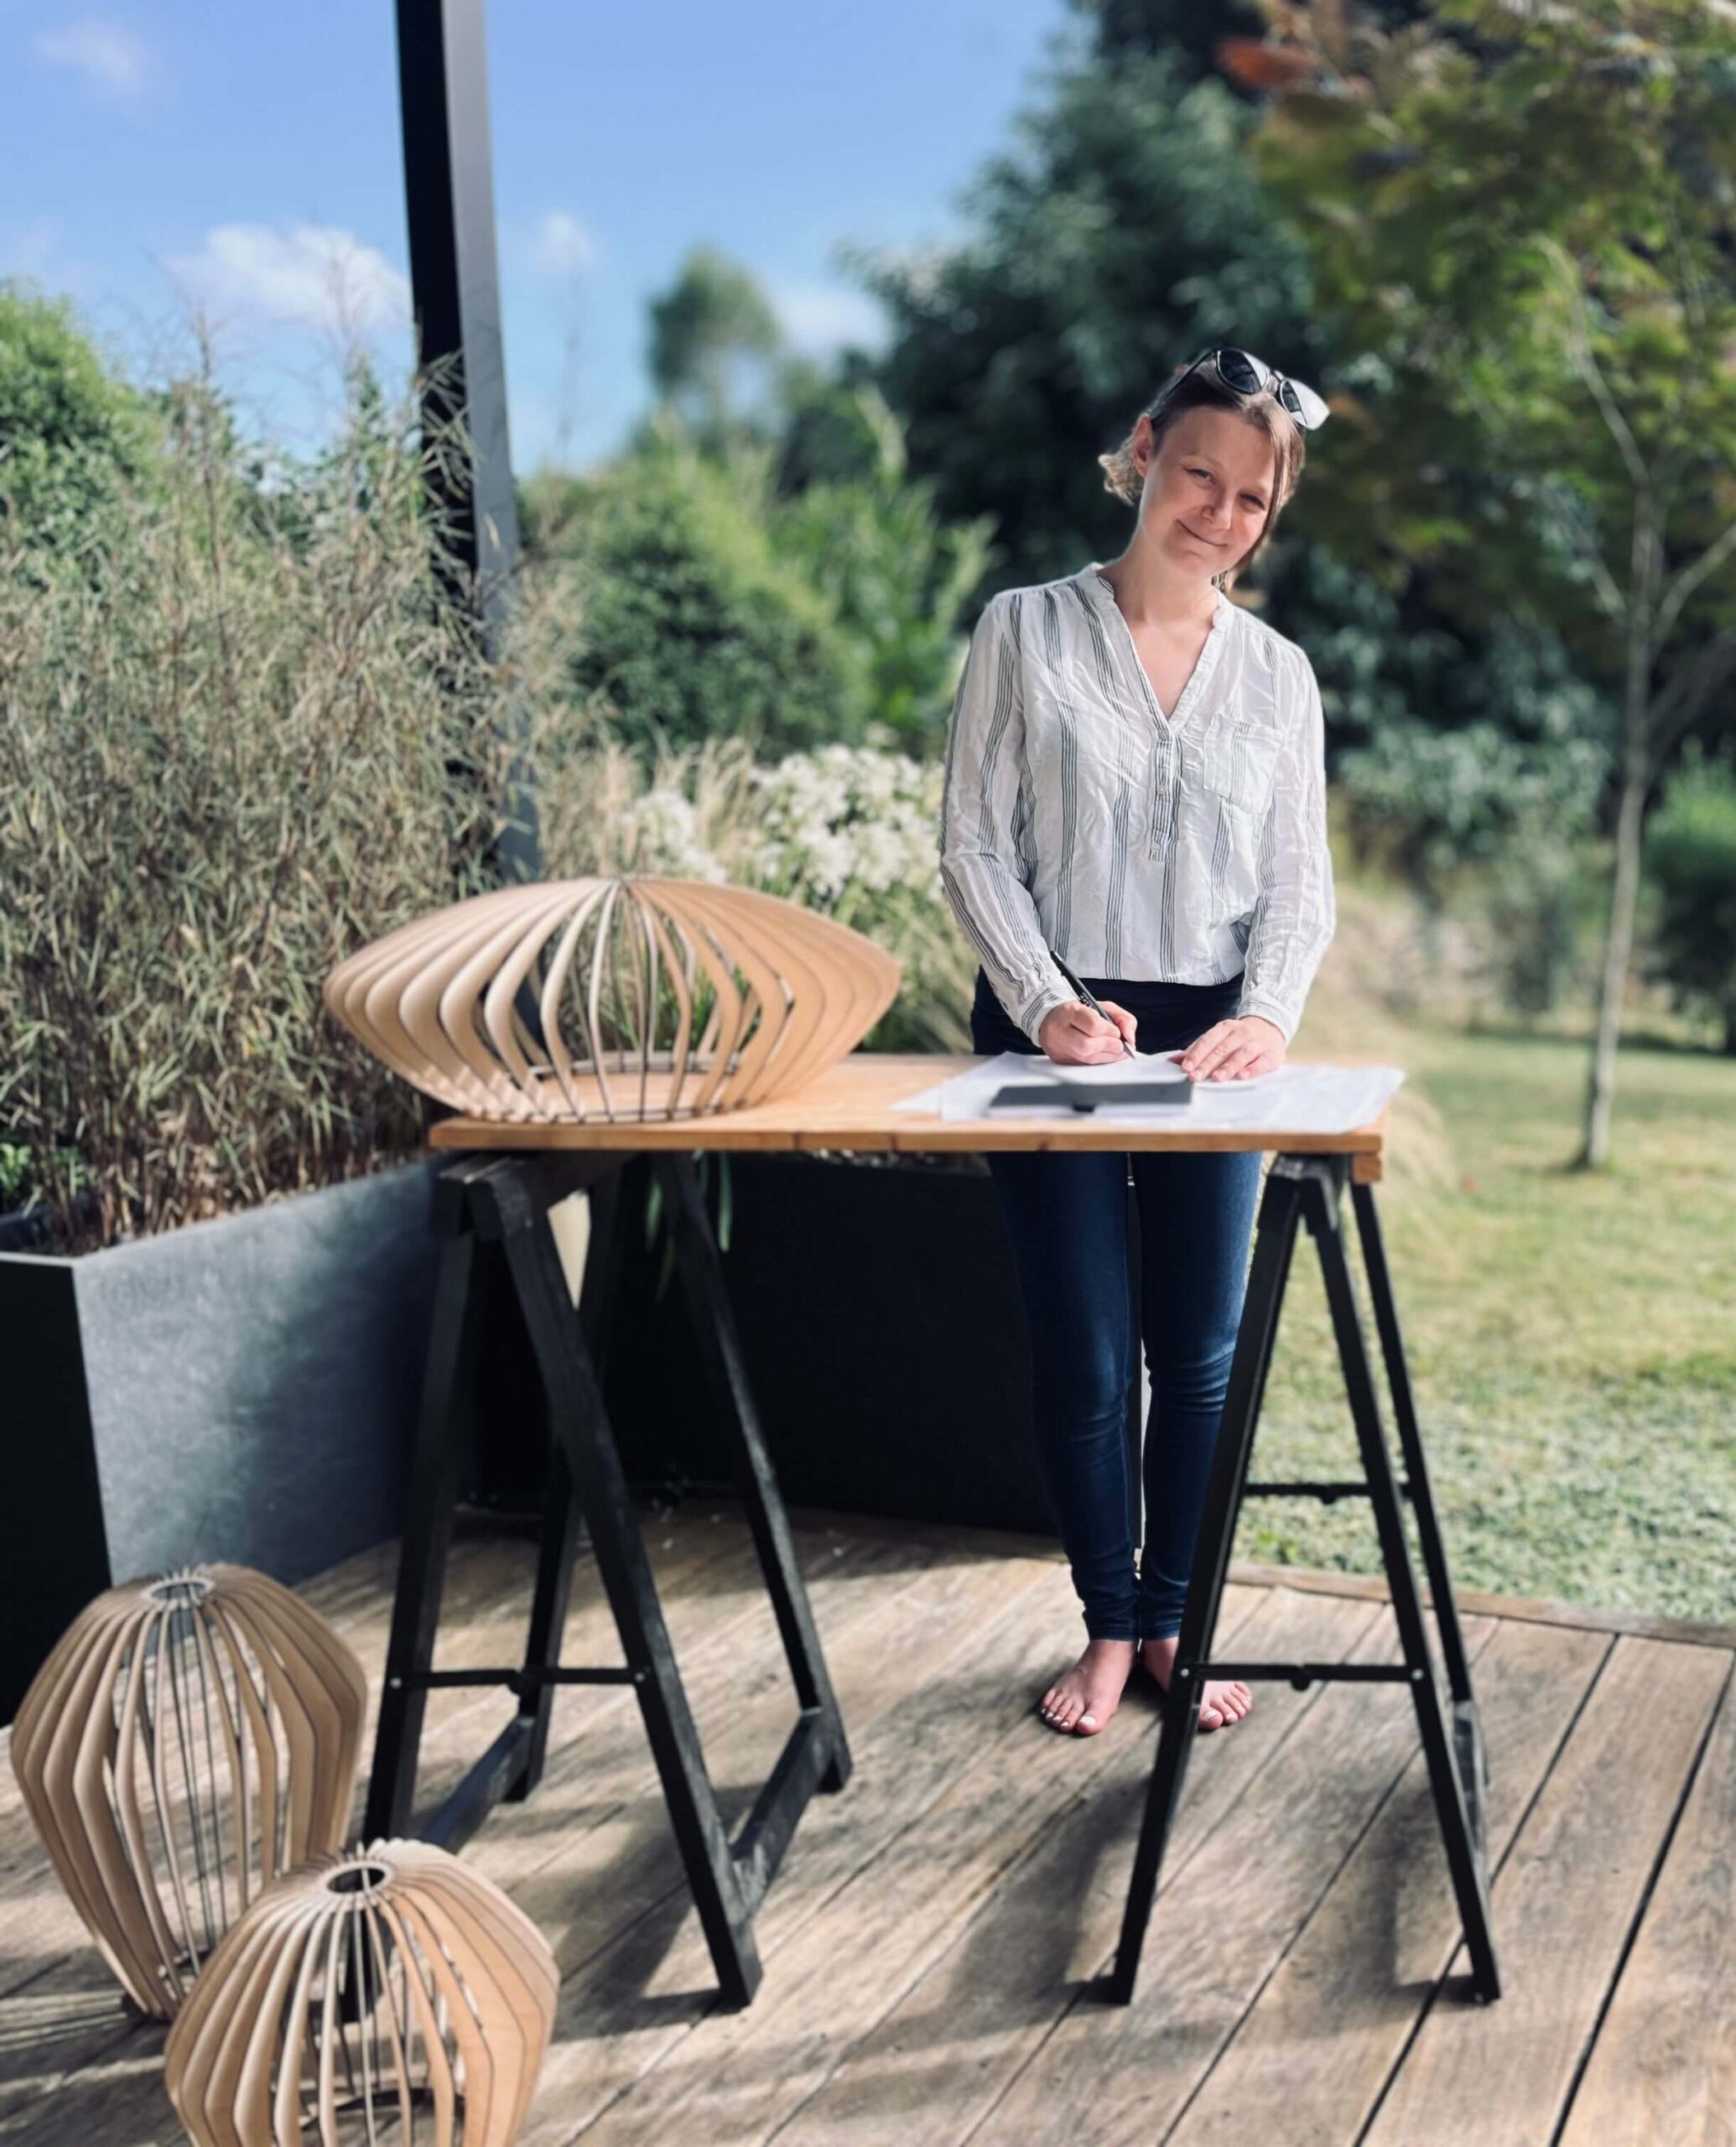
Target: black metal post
[(449, 196)]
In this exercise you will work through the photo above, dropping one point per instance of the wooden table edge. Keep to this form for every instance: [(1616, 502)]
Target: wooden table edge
[(827, 1118)]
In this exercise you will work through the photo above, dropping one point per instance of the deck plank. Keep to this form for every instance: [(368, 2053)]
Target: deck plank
[(1665, 2063), (1564, 1902), (1309, 2063), (936, 2062), (628, 2009), (927, 1940), (713, 1598), (739, 2077), (1221, 1929)]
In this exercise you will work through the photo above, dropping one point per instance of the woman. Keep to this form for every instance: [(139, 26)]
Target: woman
[(1134, 779)]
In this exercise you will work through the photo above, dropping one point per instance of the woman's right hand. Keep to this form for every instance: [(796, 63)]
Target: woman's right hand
[(1074, 1034)]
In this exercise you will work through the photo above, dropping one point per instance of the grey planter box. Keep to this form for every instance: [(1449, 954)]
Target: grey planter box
[(244, 1390)]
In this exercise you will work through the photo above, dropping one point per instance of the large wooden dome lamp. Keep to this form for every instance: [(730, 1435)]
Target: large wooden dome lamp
[(656, 999)]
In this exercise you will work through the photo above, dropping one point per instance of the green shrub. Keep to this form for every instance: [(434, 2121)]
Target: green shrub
[(1691, 856), (695, 627), (238, 739), (897, 578), (1498, 832), (1434, 803), (1537, 908)]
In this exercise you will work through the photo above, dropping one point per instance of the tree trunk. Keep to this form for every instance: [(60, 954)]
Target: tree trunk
[(1619, 947)]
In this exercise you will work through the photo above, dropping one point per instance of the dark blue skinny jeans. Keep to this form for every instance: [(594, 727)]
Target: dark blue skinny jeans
[(1067, 1217)]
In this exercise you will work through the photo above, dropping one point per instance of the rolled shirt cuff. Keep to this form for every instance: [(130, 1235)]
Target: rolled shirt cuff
[(1283, 1017), (1051, 994)]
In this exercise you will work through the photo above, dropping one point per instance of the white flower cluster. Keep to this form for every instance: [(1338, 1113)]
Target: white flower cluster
[(847, 823), (848, 819), (659, 834)]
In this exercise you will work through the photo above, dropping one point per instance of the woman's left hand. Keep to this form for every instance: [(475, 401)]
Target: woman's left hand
[(1230, 1049)]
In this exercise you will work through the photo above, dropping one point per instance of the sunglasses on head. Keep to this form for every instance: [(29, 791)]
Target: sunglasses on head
[(1247, 375)]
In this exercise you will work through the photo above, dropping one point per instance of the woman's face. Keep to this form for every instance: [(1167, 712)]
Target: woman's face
[(1208, 488)]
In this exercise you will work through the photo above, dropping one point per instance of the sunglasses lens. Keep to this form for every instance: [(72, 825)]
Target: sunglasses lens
[(1236, 369), (1304, 405)]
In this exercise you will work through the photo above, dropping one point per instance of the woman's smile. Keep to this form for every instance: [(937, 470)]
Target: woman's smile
[(1210, 543)]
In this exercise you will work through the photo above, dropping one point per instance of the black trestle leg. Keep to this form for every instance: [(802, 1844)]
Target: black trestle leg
[(713, 1325), (1467, 1728), (1465, 1860), (1276, 1235), (1309, 1188), (562, 1518), (581, 1432), (444, 1430), (504, 1203)]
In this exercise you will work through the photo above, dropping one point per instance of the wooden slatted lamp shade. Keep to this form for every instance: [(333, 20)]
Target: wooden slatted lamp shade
[(656, 999), (391, 1994), (189, 1739)]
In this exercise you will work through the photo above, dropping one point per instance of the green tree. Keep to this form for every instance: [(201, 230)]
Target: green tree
[(72, 431), (1525, 220), (714, 342), (832, 430)]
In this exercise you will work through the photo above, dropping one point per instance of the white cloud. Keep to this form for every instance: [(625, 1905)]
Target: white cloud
[(317, 275), (114, 62), (562, 246), (819, 317)]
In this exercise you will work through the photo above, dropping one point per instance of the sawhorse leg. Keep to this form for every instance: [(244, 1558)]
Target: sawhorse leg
[(505, 1202), (1307, 1188)]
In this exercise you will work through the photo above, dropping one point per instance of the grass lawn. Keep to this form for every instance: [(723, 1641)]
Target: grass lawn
[(1571, 1336)]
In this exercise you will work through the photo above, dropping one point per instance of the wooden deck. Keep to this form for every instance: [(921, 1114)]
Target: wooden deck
[(926, 1942)]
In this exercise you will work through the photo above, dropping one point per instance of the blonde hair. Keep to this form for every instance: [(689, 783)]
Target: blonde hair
[(1203, 390)]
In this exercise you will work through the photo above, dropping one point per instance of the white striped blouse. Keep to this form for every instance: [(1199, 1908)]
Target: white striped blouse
[(1183, 848)]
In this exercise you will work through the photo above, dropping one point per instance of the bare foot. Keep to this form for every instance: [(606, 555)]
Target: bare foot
[(1083, 1700), (1224, 1701)]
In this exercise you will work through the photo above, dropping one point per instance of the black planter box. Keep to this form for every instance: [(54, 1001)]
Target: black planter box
[(245, 1390), (885, 1338)]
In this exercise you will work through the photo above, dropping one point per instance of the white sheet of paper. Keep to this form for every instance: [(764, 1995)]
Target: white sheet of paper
[(1292, 1100), (1154, 1065)]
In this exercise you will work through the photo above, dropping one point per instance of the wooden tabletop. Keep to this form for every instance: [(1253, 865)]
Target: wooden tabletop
[(850, 1106)]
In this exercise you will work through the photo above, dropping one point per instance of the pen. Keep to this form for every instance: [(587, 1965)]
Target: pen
[(1127, 1048)]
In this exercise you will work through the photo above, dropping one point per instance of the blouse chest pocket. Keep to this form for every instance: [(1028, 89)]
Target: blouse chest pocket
[(1233, 756)]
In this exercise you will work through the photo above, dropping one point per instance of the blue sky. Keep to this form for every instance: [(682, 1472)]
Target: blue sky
[(245, 157)]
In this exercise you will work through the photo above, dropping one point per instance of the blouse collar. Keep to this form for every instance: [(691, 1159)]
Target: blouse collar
[(1092, 578), (1097, 590)]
